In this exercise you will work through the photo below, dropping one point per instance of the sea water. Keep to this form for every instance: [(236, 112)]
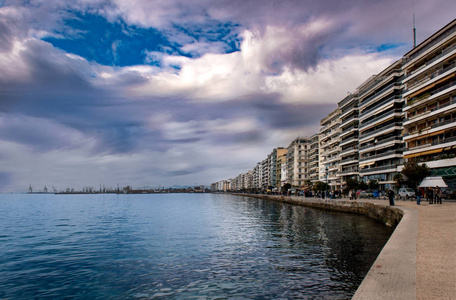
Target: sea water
[(180, 246)]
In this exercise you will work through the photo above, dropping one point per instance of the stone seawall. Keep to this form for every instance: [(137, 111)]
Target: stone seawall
[(390, 216)]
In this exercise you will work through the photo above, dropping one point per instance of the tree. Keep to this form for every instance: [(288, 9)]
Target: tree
[(351, 184), (399, 180), (320, 186), (363, 186), (415, 173), (286, 187), (373, 184)]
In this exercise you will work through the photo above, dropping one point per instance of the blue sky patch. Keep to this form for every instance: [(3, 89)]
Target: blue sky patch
[(117, 44), (106, 43)]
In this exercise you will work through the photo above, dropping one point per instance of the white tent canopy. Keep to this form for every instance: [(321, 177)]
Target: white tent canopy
[(433, 182)]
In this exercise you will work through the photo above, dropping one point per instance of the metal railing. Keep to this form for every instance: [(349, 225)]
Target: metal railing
[(391, 152), (429, 77), (385, 102), (381, 168), (376, 119), (443, 53), (367, 100), (381, 142), (389, 126), (435, 42)]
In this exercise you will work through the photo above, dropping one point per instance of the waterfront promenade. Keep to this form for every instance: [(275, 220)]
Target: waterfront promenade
[(418, 261)]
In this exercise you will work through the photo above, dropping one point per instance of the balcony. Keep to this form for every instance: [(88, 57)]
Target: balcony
[(367, 101), (349, 120), (383, 117), (347, 161), (381, 142), (386, 102), (376, 169), (349, 171), (444, 52), (429, 77), (387, 127), (349, 150), (387, 153), (427, 95)]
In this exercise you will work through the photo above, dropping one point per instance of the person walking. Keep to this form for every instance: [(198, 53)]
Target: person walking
[(438, 195), (430, 195), (418, 196), (391, 197)]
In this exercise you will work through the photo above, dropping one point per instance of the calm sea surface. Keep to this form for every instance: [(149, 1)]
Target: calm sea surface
[(180, 246)]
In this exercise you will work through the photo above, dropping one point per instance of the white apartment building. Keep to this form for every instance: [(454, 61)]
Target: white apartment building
[(380, 126), (314, 158), (430, 103), (349, 138), (298, 162), (330, 149)]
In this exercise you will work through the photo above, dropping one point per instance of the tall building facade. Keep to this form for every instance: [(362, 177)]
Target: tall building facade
[(349, 138), (330, 149), (278, 155), (314, 158), (298, 162), (380, 126), (430, 103)]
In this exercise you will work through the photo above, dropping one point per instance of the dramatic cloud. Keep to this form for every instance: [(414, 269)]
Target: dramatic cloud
[(166, 92)]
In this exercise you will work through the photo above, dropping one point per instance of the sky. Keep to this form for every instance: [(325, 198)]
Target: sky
[(179, 92)]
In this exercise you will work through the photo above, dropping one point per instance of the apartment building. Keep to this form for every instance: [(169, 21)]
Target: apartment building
[(330, 149), (278, 156), (257, 177), (349, 138), (430, 103), (266, 172), (314, 158), (298, 162), (380, 126)]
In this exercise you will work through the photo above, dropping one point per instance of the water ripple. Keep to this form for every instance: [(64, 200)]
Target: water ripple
[(179, 247)]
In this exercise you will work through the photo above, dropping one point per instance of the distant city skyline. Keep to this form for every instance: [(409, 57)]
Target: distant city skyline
[(162, 93)]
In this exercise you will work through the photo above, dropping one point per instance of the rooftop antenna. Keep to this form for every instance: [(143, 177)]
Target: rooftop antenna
[(414, 29)]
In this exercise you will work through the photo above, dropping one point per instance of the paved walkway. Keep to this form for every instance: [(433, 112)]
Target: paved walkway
[(436, 251), (435, 264)]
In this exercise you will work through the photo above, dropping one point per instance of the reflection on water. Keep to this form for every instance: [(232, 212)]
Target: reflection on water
[(179, 246)]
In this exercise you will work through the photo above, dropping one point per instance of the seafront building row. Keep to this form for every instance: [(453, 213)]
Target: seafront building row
[(406, 112)]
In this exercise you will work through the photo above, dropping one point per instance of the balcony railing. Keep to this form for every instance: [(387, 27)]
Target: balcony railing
[(389, 86), (444, 52), (388, 153), (389, 126), (355, 170), (385, 102), (429, 94), (367, 170), (443, 141), (346, 100), (381, 142), (429, 77), (349, 149), (376, 119), (435, 42), (376, 81)]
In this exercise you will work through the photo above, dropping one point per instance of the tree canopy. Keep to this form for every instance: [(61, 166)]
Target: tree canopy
[(415, 173)]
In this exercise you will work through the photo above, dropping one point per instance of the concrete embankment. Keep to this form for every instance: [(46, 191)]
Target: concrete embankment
[(393, 274), (388, 215)]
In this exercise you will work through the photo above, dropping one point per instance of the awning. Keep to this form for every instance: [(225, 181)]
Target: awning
[(433, 182), (423, 153)]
